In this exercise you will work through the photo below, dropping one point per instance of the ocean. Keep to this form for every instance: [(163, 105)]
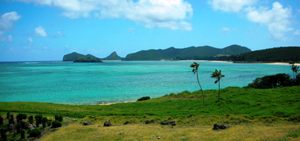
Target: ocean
[(117, 81)]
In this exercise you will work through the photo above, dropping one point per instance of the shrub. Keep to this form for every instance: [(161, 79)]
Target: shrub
[(56, 124), (11, 120), (22, 134), (3, 134), (44, 121), (30, 119), (144, 98), (38, 120), (272, 81), (58, 118), (7, 115), (298, 79), (20, 117), (1, 120), (49, 122), (34, 132)]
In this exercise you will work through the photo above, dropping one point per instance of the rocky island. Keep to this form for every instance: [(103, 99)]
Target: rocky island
[(77, 57)]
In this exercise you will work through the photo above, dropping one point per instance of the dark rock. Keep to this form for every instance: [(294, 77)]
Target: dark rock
[(218, 126), (168, 122), (126, 122), (85, 123), (144, 98), (107, 124), (149, 121)]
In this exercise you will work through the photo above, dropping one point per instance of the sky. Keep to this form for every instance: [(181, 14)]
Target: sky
[(41, 30)]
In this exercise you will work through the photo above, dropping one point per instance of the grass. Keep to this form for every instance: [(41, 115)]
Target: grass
[(255, 114), (157, 132), (279, 102)]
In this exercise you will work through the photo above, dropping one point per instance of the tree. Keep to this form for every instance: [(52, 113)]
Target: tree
[(295, 69), (195, 67), (217, 74)]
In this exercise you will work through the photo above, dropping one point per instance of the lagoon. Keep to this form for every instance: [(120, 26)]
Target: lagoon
[(117, 81)]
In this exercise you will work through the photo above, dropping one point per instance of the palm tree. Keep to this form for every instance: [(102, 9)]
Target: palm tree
[(295, 69), (195, 67), (217, 74)]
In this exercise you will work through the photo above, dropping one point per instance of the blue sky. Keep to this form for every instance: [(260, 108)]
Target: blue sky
[(47, 29)]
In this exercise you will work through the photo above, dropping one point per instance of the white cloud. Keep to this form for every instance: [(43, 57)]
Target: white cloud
[(226, 29), (276, 19), (231, 5), (172, 14), (40, 31), (7, 21)]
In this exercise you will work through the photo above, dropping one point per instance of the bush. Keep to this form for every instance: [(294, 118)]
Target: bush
[(1, 120), (20, 117), (59, 118), (44, 121), (144, 98), (56, 124), (34, 132), (3, 134), (298, 79), (30, 119), (11, 120), (272, 81), (38, 120)]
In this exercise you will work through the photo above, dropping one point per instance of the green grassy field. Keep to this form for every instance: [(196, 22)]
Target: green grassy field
[(275, 112)]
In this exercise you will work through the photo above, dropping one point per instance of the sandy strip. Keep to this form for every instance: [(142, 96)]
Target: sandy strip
[(281, 63), (110, 103)]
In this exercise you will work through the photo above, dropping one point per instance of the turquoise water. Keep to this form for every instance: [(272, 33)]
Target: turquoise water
[(90, 83)]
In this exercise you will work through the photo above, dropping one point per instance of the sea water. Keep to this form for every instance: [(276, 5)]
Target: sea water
[(115, 81)]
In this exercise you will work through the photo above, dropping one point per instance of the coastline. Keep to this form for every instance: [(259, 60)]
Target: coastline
[(111, 103)]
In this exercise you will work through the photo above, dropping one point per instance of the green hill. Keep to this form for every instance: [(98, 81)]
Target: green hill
[(113, 56), (280, 54), (76, 57), (201, 52), (88, 58), (249, 112), (72, 56)]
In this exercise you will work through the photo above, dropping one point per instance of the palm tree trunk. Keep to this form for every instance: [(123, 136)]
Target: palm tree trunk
[(219, 90), (200, 88)]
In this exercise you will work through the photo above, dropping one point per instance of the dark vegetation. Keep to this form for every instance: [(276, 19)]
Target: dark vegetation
[(88, 58), (22, 127), (280, 54), (277, 80), (189, 53), (76, 57)]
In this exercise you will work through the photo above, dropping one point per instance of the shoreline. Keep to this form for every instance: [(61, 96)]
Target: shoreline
[(111, 103)]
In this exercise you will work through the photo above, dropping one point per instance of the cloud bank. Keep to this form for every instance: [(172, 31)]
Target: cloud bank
[(277, 19), (171, 14), (7, 21), (40, 31)]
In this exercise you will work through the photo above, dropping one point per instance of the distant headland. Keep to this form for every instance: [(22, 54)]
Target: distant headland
[(234, 53)]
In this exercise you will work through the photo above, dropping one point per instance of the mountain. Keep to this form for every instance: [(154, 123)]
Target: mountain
[(113, 56), (201, 52), (76, 57), (72, 56), (279, 54)]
